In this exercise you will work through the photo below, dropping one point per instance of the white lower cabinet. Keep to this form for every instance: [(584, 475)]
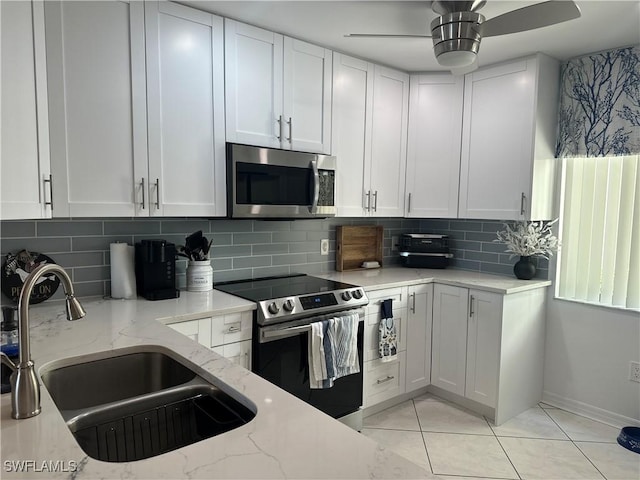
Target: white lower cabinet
[(489, 347), (228, 335), (384, 380), (418, 336)]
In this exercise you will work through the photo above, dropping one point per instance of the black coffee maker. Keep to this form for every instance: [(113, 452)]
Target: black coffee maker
[(156, 269)]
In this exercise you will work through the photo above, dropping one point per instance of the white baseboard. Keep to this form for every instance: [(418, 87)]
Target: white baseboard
[(589, 411)]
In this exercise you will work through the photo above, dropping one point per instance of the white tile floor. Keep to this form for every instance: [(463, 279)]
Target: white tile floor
[(541, 443)]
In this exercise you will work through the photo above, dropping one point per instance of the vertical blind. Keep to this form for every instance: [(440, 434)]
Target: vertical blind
[(600, 231)]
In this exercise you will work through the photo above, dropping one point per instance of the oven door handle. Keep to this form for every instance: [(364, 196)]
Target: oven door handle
[(270, 335), (316, 187)]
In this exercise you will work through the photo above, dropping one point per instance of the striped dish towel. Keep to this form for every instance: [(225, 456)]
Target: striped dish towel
[(333, 350)]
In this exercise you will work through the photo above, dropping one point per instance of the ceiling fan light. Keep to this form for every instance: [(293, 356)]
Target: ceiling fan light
[(456, 59)]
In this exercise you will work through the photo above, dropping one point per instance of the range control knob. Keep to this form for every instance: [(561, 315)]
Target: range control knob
[(357, 294), (273, 308), (288, 305), (346, 296)]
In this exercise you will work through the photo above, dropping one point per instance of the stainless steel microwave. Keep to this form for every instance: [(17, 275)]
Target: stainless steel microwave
[(273, 183)]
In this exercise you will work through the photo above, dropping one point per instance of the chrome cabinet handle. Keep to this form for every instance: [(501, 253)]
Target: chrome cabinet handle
[(50, 182), (368, 195), (234, 328), (384, 380), (413, 303), (375, 201), (409, 204), (157, 193), (523, 203), (279, 136), (290, 123), (143, 200), (471, 312)]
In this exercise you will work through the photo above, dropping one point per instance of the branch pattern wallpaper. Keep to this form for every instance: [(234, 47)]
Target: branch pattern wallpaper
[(600, 104)]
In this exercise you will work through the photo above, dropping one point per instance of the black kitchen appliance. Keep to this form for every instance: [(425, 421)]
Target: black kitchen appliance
[(156, 269), (424, 250), (286, 307)]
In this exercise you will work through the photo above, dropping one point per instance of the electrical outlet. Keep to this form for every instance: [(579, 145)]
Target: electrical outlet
[(394, 243), (324, 246), (634, 371)]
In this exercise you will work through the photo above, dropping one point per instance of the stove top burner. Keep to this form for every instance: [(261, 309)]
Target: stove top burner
[(294, 296), (268, 288)]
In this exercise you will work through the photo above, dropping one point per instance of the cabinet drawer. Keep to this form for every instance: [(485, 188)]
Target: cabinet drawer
[(383, 380), (239, 353), (230, 328), (398, 295)]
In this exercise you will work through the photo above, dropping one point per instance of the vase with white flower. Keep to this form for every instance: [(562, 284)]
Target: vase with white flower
[(527, 240)]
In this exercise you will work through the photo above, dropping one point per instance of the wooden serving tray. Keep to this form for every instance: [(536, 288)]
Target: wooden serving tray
[(357, 244)]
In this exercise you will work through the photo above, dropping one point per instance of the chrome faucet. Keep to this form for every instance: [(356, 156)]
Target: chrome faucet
[(25, 389)]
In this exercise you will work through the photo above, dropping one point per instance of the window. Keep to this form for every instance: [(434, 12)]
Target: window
[(599, 261)]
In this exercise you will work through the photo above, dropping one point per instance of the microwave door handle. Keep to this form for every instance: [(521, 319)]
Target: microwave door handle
[(316, 187)]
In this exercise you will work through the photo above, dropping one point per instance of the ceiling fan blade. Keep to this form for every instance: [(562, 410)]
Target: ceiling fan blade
[(531, 17), (383, 35), (457, 71)]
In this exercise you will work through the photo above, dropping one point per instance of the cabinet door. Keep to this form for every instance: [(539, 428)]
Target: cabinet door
[(197, 330), (497, 141), (253, 82), (418, 334), (97, 107), (388, 142), (307, 97), (351, 131), (433, 150), (239, 353), (449, 344), (373, 316), (483, 346), (185, 92), (24, 144)]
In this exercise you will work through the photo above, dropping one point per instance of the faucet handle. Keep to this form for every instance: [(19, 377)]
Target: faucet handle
[(7, 361)]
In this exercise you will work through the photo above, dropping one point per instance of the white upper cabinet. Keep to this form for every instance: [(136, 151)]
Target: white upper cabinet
[(388, 142), (508, 140), (278, 90), (24, 143), (185, 97), (351, 125), (370, 118), (137, 109), (433, 150), (253, 82), (97, 108)]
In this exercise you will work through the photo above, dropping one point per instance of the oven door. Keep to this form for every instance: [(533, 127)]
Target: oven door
[(272, 183), (280, 355)]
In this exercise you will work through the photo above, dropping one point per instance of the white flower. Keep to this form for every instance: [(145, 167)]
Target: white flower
[(527, 239)]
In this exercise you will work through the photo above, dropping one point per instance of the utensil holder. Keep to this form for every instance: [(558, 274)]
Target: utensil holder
[(199, 276)]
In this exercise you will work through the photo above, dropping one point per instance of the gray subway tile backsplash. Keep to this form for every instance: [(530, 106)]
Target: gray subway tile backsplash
[(242, 248)]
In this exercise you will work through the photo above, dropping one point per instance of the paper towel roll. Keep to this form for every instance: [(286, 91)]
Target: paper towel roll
[(123, 277)]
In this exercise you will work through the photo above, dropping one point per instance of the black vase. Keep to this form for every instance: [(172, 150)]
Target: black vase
[(524, 268)]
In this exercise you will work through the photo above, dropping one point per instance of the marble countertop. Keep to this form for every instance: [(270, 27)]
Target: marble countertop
[(286, 439), (387, 277)]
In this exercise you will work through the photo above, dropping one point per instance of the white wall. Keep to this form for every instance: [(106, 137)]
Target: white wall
[(588, 349)]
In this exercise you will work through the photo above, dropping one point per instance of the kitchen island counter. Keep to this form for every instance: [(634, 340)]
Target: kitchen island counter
[(286, 439)]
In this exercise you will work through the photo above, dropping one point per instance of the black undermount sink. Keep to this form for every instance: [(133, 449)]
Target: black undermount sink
[(136, 404)]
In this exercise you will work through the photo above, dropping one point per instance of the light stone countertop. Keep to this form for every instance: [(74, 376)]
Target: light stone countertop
[(388, 277), (286, 439)]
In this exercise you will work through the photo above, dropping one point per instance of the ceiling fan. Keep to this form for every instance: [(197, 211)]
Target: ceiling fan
[(459, 28)]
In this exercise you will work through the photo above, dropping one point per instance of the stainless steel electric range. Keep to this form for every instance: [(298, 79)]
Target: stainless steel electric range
[(286, 307)]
